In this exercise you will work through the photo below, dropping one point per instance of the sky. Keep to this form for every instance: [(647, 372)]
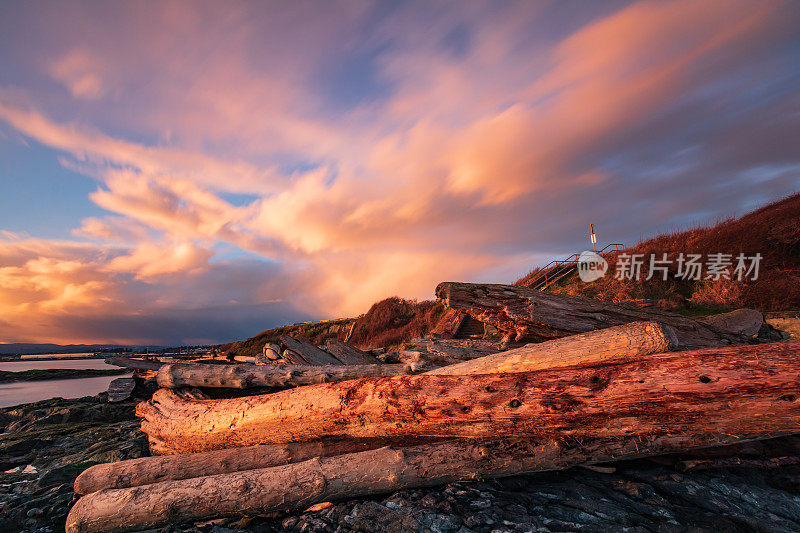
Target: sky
[(196, 172)]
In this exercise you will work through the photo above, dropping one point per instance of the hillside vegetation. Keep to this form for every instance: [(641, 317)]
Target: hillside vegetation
[(772, 231)]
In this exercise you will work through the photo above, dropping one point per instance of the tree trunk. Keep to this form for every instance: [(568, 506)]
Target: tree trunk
[(244, 376), (147, 470), (736, 390), (612, 345), (298, 485), (349, 355), (538, 315), (308, 351)]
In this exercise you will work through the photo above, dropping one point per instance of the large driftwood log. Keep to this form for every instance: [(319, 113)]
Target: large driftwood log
[(298, 485), (243, 376), (736, 390), (349, 355), (310, 353), (539, 315), (614, 344), (147, 470)]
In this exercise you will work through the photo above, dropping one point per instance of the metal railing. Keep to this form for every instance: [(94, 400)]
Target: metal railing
[(560, 268)]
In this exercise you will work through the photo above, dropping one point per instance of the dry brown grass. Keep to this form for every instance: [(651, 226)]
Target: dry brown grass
[(773, 231), (394, 320)]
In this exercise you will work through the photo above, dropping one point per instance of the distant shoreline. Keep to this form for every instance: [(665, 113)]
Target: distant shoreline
[(57, 373)]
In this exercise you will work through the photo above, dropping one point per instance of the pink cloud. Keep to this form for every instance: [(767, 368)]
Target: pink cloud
[(79, 70)]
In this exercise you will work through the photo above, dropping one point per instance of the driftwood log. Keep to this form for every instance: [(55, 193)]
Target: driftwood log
[(464, 349), (148, 470), (348, 354), (242, 376), (746, 322), (614, 344), (538, 315), (735, 390), (298, 485), (271, 352), (308, 353)]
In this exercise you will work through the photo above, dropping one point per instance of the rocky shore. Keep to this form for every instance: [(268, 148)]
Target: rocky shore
[(45, 445)]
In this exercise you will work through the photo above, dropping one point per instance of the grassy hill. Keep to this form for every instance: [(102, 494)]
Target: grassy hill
[(773, 231), (389, 322)]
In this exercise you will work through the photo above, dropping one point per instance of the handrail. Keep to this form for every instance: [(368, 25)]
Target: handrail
[(572, 259)]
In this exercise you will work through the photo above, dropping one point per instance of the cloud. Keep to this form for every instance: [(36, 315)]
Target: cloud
[(471, 142), (79, 71)]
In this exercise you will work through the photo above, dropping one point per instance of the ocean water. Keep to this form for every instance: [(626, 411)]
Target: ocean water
[(34, 391), (30, 364)]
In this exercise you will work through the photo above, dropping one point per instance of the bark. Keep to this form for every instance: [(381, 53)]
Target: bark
[(245, 376), (736, 390), (538, 315), (349, 355), (147, 470), (310, 353), (127, 362), (299, 485), (615, 344)]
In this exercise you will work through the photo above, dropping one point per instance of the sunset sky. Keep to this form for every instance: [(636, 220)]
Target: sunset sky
[(197, 172)]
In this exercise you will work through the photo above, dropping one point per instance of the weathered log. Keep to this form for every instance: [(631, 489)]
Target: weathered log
[(120, 389), (538, 315), (291, 357), (270, 352), (147, 470), (614, 344), (349, 355), (742, 321), (424, 361), (298, 485), (128, 362), (464, 349), (737, 390), (244, 376), (310, 353)]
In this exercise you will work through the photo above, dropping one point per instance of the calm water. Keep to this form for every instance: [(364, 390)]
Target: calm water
[(19, 366), (34, 391)]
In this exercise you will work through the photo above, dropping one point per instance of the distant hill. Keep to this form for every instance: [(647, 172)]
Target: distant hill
[(772, 231), (24, 348)]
